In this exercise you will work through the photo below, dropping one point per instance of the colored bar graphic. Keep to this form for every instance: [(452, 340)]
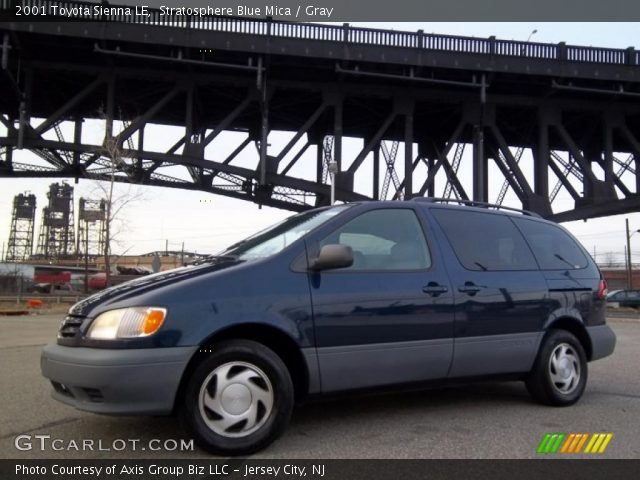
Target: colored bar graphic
[(550, 443), (568, 442), (555, 447), (582, 442), (590, 444), (572, 443), (605, 442), (543, 443)]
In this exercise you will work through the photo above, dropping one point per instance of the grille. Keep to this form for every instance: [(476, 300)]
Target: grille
[(94, 395), (70, 326)]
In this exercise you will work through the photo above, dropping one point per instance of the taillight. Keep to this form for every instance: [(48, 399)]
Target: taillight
[(602, 289)]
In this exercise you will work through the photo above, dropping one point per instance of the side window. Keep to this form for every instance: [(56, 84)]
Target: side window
[(633, 295), (485, 241), (387, 239), (553, 247)]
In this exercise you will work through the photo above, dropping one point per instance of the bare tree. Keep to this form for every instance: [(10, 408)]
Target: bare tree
[(115, 204)]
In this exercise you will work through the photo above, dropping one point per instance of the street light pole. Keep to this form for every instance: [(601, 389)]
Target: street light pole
[(333, 169), (626, 221)]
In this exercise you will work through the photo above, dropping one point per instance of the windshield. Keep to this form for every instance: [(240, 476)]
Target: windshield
[(279, 236)]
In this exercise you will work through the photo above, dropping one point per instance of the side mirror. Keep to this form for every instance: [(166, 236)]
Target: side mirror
[(333, 256)]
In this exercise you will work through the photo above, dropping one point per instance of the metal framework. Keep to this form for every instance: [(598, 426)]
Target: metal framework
[(91, 227), (460, 107), (20, 246), (56, 239)]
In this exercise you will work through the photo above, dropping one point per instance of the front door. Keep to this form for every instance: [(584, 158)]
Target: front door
[(387, 319)]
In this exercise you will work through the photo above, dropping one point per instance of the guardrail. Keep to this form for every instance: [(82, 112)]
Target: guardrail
[(346, 34)]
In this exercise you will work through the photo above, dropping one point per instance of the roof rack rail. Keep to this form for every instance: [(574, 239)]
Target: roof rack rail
[(473, 203)]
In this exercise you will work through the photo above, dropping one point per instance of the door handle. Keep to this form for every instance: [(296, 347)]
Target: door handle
[(434, 289), (469, 288)]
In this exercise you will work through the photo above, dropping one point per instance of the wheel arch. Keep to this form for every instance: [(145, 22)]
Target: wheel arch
[(576, 328), (271, 337)]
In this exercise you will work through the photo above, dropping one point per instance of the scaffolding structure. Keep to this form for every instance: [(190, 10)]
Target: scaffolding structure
[(91, 227), (22, 223), (57, 237)]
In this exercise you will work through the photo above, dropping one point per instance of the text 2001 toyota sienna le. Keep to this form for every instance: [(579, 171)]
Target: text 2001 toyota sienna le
[(333, 299)]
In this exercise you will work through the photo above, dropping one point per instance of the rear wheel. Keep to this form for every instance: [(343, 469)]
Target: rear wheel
[(239, 399), (559, 374)]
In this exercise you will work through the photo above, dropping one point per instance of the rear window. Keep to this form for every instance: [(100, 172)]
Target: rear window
[(553, 247), (485, 241)]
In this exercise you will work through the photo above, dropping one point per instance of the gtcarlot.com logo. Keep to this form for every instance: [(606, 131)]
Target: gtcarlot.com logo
[(573, 443)]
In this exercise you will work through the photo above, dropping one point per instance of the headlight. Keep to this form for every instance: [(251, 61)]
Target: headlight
[(131, 322)]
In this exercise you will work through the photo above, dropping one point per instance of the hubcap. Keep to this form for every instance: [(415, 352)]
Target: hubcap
[(236, 399), (564, 368)]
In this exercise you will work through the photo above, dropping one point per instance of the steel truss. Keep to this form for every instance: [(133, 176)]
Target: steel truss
[(437, 115)]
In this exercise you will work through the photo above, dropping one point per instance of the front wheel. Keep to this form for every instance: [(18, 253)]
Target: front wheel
[(559, 374), (239, 399)]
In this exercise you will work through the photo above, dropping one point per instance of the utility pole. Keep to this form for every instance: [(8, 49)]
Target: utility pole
[(629, 278), (86, 256), (333, 170)]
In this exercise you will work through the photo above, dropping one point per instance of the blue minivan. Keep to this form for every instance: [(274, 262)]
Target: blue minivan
[(342, 298)]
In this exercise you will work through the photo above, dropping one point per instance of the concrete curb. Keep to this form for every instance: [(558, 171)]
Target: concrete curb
[(623, 319)]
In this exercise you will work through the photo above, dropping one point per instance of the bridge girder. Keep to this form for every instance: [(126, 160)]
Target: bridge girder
[(127, 86)]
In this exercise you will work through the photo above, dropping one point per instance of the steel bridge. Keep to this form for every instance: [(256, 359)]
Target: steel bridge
[(543, 122)]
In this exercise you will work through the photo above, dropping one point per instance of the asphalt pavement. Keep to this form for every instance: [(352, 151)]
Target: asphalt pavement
[(487, 420)]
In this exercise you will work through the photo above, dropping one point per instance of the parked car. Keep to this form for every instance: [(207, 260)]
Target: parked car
[(335, 299), (624, 298), (54, 288)]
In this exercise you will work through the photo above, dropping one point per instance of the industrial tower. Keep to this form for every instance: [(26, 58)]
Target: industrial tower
[(91, 227), (22, 222), (57, 232)]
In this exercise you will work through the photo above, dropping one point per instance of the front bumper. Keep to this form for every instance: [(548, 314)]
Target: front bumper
[(119, 382), (603, 341)]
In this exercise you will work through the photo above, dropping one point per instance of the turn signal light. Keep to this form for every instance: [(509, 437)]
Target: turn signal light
[(153, 321)]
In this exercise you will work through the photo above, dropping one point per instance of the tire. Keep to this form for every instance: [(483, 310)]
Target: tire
[(559, 374), (238, 399)]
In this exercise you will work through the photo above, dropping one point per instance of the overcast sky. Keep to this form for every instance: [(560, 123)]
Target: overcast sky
[(207, 223)]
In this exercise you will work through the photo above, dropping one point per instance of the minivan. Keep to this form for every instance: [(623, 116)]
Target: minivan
[(344, 298)]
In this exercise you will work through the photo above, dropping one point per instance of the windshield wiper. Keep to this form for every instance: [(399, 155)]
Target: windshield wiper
[(216, 259), (559, 257)]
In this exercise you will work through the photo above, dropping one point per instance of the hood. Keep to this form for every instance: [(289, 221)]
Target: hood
[(147, 283)]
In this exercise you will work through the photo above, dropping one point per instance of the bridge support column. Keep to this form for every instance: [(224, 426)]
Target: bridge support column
[(11, 132), (319, 161), (431, 163), (337, 134), (25, 108), (77, 139), (408, 155), (480, 177), (264, 134), (541, 155), (376, 173), (608, 152), (110, 108)]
